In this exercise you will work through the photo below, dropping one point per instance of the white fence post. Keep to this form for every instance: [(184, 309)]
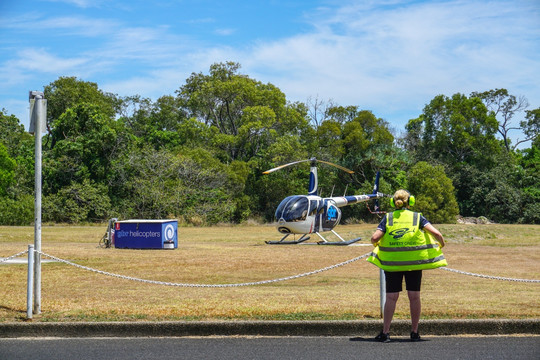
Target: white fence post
[(382, 286), (30, 282)]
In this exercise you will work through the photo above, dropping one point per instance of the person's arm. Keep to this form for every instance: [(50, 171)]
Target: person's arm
[(377, 235), (436, 233)]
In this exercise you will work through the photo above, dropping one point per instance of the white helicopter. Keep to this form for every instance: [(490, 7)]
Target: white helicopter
[(308, 214)]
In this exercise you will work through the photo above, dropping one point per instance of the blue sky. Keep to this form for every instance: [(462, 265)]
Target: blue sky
[(391, 57)]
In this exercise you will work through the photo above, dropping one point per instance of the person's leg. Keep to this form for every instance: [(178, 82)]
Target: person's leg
[(416, 309), (389, 309), (413, 281)]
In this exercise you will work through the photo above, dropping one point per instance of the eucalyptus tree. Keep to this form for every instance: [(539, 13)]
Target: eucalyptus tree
[(246, 114), (504, 107)]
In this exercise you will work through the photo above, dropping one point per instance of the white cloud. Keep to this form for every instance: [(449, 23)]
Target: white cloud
[(35, 23), (32, 61), (391, 57), (80, 3), (400, 58), (225, 32), (392, 60)]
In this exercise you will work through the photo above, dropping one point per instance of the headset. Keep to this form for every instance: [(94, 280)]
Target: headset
[(411, 201)]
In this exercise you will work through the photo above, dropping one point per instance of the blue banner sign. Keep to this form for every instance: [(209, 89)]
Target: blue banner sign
[(146, 234)]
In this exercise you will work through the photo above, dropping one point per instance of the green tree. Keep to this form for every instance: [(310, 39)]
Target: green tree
[(157, 123), (12, 133), (7, 170), (68, 92), (496, 196), (367, 143), (434, 193), (86, 141), (458, 130), (529, 185), (16, 172), (248, 115), (458, 133), (531, 126)]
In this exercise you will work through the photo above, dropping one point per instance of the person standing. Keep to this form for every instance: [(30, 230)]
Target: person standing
[(405, 244)]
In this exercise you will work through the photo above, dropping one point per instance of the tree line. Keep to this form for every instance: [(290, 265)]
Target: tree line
[(198, 155)]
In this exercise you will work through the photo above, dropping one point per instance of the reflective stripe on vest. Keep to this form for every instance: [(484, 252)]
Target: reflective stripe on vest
[(413, 262), (409, 248)]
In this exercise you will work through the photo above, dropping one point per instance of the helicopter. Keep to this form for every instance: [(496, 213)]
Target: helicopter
[(311, 213)]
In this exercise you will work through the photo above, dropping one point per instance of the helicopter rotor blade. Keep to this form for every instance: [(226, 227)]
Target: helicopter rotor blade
[(337, 166), (312, 159), (285, 165)]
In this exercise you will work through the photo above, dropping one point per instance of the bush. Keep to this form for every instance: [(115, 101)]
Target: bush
[(18, 211), (434, 193), (77, 203)]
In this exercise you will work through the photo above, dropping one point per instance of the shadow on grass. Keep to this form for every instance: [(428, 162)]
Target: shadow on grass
[(17, 311)]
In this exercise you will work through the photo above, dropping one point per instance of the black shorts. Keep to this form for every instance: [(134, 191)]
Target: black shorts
[(394, 280)]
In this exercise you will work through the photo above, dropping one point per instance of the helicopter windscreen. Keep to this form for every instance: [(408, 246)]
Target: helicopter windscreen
[(293, 208)]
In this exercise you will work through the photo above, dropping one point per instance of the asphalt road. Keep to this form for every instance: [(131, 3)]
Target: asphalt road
[(247, 347)]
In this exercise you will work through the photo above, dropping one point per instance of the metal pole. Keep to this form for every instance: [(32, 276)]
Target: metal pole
[(382, 286), (30, 282), (39, 115)]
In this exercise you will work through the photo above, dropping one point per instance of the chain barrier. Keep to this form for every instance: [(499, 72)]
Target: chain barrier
[(13, 256), (250, 283), (490, 277), (203, 285)]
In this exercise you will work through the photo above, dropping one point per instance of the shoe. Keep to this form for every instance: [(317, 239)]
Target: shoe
[(415, 336), (382, 337)]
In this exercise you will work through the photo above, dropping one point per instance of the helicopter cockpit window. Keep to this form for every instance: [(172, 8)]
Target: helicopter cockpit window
[(282, 205), (295, 209)]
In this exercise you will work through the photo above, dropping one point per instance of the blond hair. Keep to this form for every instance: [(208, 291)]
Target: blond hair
[(401, 198)]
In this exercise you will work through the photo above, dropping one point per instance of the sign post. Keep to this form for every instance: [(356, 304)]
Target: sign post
[(38, 116)]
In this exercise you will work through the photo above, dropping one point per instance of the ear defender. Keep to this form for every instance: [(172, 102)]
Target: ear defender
[(411, 201)]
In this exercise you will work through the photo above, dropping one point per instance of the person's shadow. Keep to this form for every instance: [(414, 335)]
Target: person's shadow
[(392, 340)]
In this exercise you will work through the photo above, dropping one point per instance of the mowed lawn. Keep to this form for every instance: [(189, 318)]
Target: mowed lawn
[(238, 254)]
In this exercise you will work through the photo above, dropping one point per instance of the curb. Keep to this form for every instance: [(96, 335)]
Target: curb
[(265, 328)]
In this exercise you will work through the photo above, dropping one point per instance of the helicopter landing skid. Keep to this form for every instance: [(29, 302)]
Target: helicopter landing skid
[(281, 242), (342, 242)]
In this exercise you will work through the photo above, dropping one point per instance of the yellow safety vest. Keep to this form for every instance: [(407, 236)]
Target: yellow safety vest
[(404, 247)]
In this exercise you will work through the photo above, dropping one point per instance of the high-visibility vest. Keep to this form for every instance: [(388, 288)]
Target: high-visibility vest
[(404, 247)]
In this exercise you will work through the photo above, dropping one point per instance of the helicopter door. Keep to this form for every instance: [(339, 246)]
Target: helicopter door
[(331, 216), (313, 205)]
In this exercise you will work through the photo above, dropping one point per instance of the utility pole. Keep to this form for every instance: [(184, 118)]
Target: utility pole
[(38, 120)]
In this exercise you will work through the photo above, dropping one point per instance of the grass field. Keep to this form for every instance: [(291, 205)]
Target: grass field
[(238, 254)]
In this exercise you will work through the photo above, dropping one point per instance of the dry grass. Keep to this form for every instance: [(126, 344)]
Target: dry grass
[(237, 254)]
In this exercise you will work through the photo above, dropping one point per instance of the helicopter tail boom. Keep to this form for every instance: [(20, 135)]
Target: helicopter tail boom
[(375, 195), (353, 199)]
